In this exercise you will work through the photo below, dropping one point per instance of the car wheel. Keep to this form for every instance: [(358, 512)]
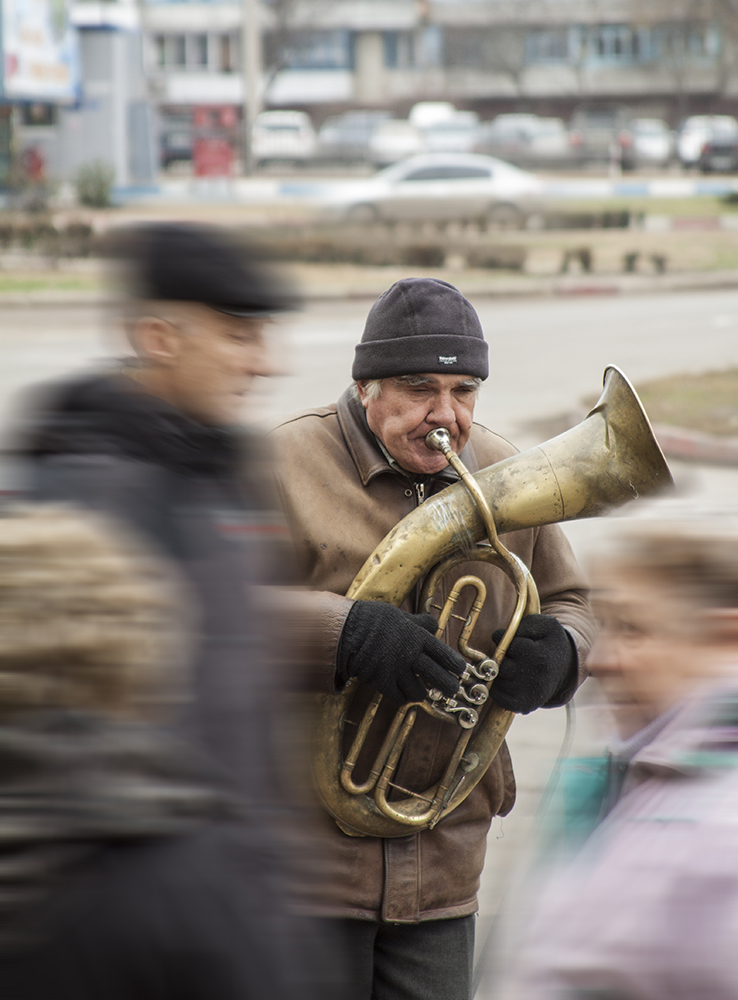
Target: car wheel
[(363, 214), (505, 216)]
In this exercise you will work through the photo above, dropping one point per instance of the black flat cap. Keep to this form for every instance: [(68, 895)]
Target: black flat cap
[(205, 264)]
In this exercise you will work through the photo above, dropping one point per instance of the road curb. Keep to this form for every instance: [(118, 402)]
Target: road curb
[(693, 446), (318, 283)]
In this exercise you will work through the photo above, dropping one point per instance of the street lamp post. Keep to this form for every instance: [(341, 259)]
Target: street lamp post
[(251, 72)]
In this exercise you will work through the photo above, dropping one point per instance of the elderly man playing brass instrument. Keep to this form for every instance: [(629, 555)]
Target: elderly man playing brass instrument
[(349, 473)]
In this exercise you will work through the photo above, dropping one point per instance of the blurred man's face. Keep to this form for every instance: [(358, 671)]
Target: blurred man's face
[(405, 412), (652, 649), (202, 361)]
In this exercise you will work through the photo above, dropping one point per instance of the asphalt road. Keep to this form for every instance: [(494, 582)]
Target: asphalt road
[(546, 356)]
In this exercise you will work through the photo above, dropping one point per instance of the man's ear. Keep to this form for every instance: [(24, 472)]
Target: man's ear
[(361, 389), (156, 340)]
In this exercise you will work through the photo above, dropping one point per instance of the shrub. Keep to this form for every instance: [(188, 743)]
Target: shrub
[(94, 182)]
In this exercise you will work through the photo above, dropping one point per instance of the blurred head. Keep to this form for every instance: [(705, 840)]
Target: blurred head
[(667, 602), (199, 305), (419, 365), (201, 361), (88, 622)]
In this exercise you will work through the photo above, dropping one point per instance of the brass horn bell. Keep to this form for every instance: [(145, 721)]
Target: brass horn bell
[(611, 457)]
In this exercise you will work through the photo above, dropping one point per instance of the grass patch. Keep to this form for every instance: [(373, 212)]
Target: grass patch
[(702, 205), (47, 282)]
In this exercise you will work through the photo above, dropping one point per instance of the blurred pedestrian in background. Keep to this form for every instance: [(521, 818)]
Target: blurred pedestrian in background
[(127, 870), (156, 441), (647, 909)]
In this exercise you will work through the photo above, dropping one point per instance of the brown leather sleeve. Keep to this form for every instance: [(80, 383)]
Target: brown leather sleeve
[(310, 625)]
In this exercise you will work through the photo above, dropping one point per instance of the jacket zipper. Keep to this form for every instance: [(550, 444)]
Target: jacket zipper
[(419, 492)]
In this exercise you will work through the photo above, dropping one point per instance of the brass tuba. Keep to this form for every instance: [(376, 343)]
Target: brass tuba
[(611, 457)]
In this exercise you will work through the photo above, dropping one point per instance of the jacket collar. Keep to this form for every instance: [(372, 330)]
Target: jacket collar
[(369, 457), (699, 734)]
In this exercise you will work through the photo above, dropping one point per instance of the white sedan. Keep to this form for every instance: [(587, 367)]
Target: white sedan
[(442, 187)]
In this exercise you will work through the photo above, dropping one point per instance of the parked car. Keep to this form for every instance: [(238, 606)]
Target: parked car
[(283, 137), (602, 133), (442, 187), (427, 113), (697, 130), (720, 151), (455, 134), (346, 138), (394, 139), (653, 142), (525, 140)]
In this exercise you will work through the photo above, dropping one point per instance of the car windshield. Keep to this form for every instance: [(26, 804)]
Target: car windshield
[(649, 128)]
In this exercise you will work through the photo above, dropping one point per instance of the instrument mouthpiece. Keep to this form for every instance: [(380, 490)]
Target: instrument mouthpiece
[(438, 440)]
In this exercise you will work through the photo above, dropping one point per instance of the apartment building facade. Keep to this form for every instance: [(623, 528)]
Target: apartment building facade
[(487, 55)]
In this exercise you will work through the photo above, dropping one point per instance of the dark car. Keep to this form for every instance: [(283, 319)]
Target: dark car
[(719, 151), (603, 134), (347, 138), (175, 139)]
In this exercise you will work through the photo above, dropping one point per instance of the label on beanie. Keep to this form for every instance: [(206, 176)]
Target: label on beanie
[(449, 360)]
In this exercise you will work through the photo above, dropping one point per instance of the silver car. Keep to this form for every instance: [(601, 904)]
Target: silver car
[(442, 187)]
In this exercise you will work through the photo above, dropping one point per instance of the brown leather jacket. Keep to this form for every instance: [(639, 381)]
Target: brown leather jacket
[(341, 497)]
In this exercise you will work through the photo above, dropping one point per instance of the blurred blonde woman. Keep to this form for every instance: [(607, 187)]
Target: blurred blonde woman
[(648, 907), (125, 870)]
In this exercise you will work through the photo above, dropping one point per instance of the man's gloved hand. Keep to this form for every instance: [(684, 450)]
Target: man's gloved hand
[(397, 653), (538, 664)]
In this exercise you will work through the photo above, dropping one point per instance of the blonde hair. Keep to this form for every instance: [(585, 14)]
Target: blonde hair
[(689, 549), (87, 619)]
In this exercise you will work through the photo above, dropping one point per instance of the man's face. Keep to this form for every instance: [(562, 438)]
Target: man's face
[(210, 362), (651, 649), (405, 412)]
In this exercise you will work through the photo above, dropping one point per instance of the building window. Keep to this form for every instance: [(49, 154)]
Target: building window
[(198, 54), (195, 52), (547, 45), (320, 50), (177, 51), (399, 49), (614, 43), (39, 114), (700, 41), (227, 59)]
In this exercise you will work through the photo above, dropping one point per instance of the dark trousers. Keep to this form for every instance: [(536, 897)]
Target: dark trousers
[(432, 960)]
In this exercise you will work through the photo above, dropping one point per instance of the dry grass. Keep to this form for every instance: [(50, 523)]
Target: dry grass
[(707, 402)]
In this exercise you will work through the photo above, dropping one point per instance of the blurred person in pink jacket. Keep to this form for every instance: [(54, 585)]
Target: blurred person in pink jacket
[(647, 908)]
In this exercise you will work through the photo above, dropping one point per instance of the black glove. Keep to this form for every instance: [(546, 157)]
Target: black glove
[(397, 653), (538, 664)]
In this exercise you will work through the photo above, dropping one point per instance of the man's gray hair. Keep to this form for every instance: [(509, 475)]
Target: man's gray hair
[(373, 386)]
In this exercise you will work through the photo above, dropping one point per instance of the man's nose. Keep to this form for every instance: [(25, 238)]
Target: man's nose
[(262, 361), (442, 413)]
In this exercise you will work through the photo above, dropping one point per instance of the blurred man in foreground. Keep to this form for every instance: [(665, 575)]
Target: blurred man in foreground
[(348, 473), (155, 440), (127, 870), (648, 908)]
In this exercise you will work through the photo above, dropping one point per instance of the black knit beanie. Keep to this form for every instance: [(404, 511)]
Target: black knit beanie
[(421, 325)]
